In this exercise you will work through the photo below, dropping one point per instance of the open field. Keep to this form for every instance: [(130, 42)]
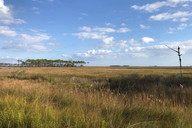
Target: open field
[(95, 97)]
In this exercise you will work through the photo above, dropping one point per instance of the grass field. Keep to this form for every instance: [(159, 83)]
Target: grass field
[(95, 97)]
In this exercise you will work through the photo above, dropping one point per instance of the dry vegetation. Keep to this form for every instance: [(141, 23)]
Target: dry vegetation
[(95, 97)]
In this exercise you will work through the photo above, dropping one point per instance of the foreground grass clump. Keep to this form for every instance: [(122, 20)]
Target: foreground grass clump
[(59, 99), (17, 112)]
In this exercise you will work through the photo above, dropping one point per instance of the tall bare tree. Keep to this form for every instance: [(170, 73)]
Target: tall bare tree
[(179, 55)]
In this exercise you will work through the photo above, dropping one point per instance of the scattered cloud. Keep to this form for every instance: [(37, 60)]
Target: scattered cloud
[(137, 52), (100, 33), (93, 53), (177, 16), (6, 16), (157, 5), (104, 29), (144, 26), (109, 24), (123, 24), (151, 7), (6, 31), (97, 36), (147, 40), (127, 43), (182, 26), (123, 30), (35, 10), (29, 43), (179, 28)]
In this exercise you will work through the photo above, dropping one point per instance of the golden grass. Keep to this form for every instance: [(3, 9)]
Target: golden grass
[(67, 97)]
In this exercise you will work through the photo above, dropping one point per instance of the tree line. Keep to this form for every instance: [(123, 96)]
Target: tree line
[(45, 63)]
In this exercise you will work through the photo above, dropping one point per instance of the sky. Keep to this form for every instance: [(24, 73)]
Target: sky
[(101, 32)]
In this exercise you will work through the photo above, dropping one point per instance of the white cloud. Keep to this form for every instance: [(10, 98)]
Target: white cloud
[(135, 49), (34, 39), (171, 30), (104, 30), (97, 36), (179, 28), (134, 52), (86, 35), (147, 40), (92, 53), (177, 16), (123, 30), (157, 5), (127, 43), (29, 43), (182, 26), (85, 28), (144, 27), (123, 24), (6, 16), (151, 7), (6, 31), (184, 19), (109, 24), (100, 33)]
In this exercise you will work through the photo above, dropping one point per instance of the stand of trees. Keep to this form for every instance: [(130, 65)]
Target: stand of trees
[(45, 63)]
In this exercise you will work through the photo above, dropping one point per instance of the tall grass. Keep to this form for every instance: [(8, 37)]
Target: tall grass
[(31, 99)]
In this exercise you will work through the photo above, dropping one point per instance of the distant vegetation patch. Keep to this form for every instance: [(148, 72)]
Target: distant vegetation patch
[(139, 83)]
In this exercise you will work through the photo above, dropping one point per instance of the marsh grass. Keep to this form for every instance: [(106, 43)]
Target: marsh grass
[(41, 98)]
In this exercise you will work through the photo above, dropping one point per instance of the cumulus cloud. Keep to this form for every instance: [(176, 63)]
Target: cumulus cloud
[(177, 16), (6, 31), (6, 16), (29, 43), (147, 40)]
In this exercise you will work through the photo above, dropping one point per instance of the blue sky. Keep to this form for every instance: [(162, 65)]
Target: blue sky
[(101, 32)]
